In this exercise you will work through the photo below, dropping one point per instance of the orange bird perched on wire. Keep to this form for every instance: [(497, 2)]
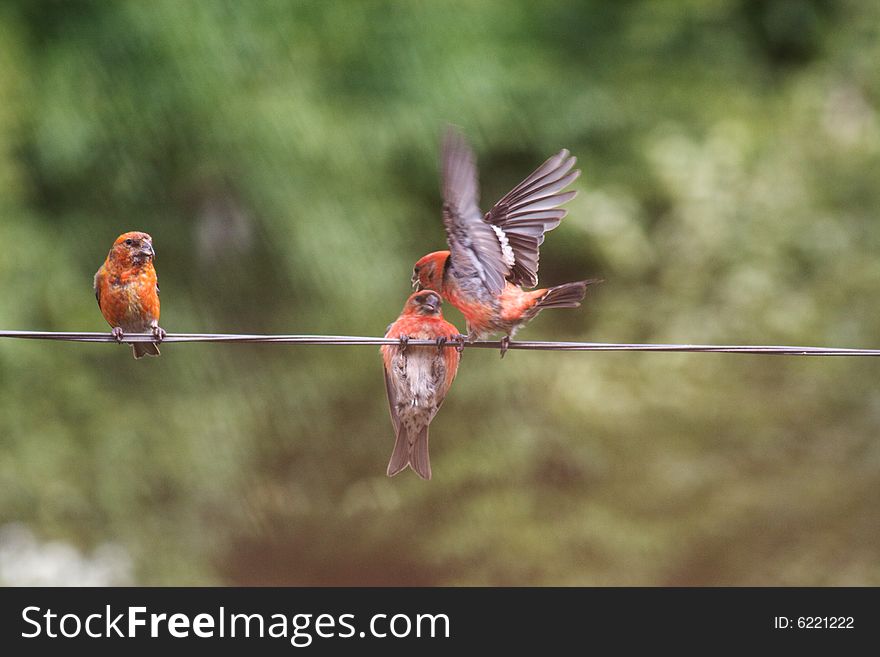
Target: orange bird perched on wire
[(492, 257), (128, 291), (418, 378)]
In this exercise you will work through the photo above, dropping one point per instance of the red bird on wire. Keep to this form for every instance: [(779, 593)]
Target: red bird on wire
[(418, 378), (128, 291), (492, 257)]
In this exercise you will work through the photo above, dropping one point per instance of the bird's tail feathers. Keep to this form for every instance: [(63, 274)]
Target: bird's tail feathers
[(410, 451), (567, 295), (418, 457), (141, 349)]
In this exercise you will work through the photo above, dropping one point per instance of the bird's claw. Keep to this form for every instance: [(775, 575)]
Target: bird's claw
[(460, 340), (159, 334), (404, 342), (441, 342), (505, 345), (118, 333)]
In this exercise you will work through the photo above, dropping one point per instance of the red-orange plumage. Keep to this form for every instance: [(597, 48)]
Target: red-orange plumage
[(419, 327), (127, 290), (417, 379), (504, 313)]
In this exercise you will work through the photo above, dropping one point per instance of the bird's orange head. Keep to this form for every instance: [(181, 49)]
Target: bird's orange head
[(428, 272), (425, 303), (133, 249)]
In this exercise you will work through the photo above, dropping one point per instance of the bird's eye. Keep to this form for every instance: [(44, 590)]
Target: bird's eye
[(128, 242)]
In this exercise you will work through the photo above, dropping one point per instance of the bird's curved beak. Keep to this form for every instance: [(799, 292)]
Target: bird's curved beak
[(432, 303), (147, 250)]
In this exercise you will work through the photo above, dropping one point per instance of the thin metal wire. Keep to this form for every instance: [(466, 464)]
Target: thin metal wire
[(129, 338)]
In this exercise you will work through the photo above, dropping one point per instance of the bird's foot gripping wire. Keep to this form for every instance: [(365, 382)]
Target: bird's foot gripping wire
[(158, 333), (505, 345), (460, 340), (118, 333), (404, 343), (441, 343)]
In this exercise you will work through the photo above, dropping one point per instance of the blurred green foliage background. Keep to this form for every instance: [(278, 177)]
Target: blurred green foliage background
[(284, 156)]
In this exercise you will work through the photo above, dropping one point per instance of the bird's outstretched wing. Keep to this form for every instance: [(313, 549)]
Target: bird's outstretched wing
[(531, 209), (474, 244)]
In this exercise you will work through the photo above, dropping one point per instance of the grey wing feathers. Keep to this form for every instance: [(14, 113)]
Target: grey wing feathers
[(474, 246), (530, 209), (392, 402)]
